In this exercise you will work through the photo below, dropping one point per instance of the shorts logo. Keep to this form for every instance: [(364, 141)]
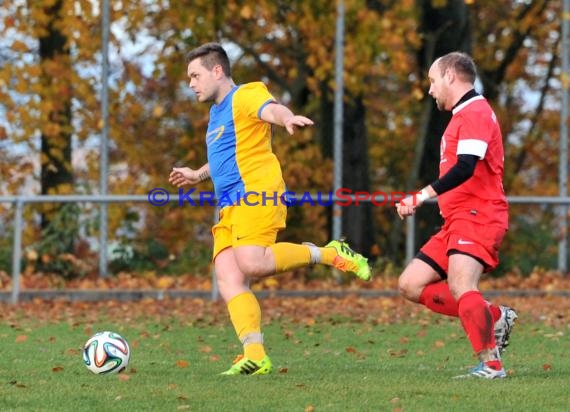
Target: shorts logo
[(464, 242)]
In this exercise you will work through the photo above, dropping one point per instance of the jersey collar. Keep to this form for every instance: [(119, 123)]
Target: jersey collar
[(467, 98)]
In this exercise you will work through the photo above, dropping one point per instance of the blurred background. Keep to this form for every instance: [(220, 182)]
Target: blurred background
[(55, 87)]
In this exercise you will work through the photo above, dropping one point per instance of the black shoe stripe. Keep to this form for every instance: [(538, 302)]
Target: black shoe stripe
[(346, 249), (249, 367)]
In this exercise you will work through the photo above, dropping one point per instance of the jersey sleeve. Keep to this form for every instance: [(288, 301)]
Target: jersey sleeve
[(253, 97), (475, 134)]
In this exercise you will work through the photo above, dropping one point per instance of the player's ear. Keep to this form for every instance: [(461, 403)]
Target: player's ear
[(218, 71)]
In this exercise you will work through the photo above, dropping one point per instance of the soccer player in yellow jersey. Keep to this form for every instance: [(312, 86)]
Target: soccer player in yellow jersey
[(249, 186)]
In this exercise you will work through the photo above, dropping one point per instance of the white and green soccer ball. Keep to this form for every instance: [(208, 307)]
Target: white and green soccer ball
[(106, 353)]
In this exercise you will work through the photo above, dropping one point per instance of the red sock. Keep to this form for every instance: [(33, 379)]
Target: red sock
[(495, 311), (495, 364), (438, 298), (477, 320)]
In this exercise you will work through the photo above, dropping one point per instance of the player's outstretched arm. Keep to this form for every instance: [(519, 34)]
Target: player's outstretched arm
[(280, 115), (185, 176)]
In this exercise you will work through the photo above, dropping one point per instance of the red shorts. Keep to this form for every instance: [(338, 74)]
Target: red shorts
[(463, 236)]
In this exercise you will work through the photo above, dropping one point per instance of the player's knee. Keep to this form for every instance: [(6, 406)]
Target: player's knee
[(410, 286), (229, 286), (252, 268), (408, 289), (457, 290)]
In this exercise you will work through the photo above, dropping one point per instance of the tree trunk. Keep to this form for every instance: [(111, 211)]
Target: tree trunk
[(56, 171), (357, 221)]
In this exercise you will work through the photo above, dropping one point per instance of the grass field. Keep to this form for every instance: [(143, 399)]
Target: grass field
[(325, 362)]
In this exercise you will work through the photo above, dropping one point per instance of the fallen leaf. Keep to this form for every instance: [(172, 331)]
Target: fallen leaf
[(72, 351), (182, 363), (397, 353)]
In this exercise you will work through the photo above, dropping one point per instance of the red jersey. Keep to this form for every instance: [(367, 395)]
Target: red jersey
[(474, 130)]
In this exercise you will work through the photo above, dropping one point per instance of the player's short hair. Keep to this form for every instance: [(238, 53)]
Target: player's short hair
[(461, 62), (211, 54)]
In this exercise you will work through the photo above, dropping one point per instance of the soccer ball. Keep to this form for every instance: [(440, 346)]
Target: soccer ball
[(106, 353)]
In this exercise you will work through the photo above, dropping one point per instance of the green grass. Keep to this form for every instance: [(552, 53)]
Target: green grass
[(332, 365)]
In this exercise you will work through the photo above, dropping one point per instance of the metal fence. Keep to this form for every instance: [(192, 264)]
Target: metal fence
[(19, 203)]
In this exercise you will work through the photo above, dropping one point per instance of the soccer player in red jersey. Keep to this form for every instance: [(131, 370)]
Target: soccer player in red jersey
[(473, 204)]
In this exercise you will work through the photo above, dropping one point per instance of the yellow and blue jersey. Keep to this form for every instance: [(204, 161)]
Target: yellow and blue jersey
[(239, 145)]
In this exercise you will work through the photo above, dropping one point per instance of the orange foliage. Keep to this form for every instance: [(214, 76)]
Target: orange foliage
[(155, 122)]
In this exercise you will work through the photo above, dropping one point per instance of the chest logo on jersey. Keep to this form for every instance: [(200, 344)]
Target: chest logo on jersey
[(214, 135)]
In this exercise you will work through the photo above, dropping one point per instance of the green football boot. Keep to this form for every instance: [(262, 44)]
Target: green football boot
[(246, 366), (350, 261)]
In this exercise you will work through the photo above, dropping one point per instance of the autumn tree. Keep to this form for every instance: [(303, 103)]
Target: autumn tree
[(50, 86), (523, 46), (47, 96), (55, 94)]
